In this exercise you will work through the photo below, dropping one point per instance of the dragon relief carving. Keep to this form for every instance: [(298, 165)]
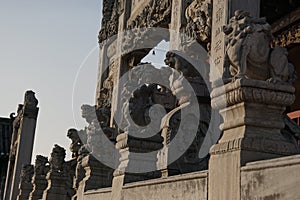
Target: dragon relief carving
[(249, 54)]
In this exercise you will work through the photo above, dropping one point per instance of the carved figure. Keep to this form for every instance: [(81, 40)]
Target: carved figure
[(57, 158), (88, 113), (27, 173), (30, 100), (41, 166), (76, 142), (176, 62), (198, 15), (248, 51)]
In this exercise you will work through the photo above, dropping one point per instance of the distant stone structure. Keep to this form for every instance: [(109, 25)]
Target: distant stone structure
[(25, 182), (6, 129), (24, 126)]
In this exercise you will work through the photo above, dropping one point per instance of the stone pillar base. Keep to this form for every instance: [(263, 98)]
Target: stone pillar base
[(56, 186), (25, 189), (97, 176), (253, 119)]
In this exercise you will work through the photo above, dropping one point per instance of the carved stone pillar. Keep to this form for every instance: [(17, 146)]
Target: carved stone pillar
[(39, 180), (25, 186), (252, 112), (57, 176), (90, 172), (22, 144)]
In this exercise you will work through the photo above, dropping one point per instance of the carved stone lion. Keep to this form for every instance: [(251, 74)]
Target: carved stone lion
[(178, 63), (248, 51)]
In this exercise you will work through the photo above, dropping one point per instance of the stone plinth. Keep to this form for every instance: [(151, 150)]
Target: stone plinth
[(56, 186), (25, 186), (135, 157), (39, 185), (253, 118), (25, 189), (97, 175)]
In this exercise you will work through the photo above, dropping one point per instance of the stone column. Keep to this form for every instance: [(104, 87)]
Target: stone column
[(25, 185), (41, 168), (120, 62), (22, 145), (91, 173), (57, 176), (177, 23)]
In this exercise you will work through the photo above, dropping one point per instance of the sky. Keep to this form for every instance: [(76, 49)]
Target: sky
[(43, 44), (50, 47)]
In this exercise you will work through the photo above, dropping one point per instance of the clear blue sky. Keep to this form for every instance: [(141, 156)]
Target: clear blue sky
[(42, 45)]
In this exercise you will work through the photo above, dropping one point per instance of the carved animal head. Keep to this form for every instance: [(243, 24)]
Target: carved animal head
[(170, 59), (57, 158)]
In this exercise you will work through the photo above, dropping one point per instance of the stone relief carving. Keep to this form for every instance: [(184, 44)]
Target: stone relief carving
[(198, 16), (110, 20), (287, 37), (248, 51), (155, 13)]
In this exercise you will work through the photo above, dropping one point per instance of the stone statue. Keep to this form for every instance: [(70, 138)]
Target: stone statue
[(76, 142), (57, 158), (248, 51), (88, 113), (41, 168), (30, 100), (176, 62)]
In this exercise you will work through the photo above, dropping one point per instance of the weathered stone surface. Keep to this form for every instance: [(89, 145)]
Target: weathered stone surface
[(22, 143), (25, 186), (186, 186), (57, 177), (272, 179), (39, 181), (248, 51)]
